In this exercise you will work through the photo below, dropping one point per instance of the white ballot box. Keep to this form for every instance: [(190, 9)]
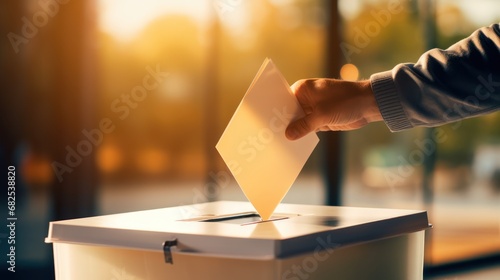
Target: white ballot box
[(227, 240)]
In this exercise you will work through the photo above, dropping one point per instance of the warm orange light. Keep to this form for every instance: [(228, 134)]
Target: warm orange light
[(191, 162), (349, 72), (152, 160), (36, 169), (109, 158)]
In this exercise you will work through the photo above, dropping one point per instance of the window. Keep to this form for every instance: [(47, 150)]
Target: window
[(387, 169)]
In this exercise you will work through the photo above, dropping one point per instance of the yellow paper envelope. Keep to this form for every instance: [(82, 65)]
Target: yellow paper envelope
[(262, 160)]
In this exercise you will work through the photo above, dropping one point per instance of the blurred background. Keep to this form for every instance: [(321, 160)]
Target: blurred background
[(110, 106)]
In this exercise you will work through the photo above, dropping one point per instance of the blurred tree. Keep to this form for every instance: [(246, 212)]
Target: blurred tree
[(289, 32)]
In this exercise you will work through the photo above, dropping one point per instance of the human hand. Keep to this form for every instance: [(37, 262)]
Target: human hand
[(331, 104)]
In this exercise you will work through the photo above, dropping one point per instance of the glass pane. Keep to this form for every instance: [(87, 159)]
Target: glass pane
[(377, 36), (386, 169), (466, 207), (162, 152)]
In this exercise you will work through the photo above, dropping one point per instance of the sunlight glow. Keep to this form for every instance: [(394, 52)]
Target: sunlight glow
[(124, 19), (480, 12)]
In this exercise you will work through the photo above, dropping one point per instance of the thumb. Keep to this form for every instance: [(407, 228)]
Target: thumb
[(299, 128)]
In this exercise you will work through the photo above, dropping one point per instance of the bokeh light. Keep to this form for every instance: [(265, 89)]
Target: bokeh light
[(349, 72)]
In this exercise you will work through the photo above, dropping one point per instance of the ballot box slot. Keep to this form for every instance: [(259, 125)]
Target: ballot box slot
[(243, 218), (235, 219)]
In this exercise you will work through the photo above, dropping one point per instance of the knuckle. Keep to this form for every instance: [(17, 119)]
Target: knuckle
[(320, 84), (310, 84), (300, 85)]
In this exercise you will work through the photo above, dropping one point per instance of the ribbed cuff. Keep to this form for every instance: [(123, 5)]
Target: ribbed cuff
[(388, 101)]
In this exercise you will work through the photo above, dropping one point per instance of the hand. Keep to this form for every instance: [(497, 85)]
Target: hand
[(331, 104)]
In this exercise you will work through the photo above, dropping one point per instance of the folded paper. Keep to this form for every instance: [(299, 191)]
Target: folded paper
[(262, 160)]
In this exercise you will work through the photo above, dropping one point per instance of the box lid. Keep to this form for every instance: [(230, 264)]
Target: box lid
[(306, 228)]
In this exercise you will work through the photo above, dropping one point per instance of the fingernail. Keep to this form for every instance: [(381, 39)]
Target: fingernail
[(291, 134)]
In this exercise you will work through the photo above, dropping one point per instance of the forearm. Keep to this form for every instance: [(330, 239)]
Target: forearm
[(444, 85)]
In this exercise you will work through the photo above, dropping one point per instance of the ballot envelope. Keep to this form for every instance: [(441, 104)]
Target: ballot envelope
[(227, 240)]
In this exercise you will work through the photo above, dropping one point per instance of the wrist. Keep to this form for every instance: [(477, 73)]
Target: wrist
[(371, 110)]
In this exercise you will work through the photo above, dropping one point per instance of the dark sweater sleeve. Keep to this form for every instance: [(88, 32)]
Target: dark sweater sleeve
[(444, 85)]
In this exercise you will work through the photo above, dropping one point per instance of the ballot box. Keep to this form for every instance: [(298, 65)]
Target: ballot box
[(227, 240)]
